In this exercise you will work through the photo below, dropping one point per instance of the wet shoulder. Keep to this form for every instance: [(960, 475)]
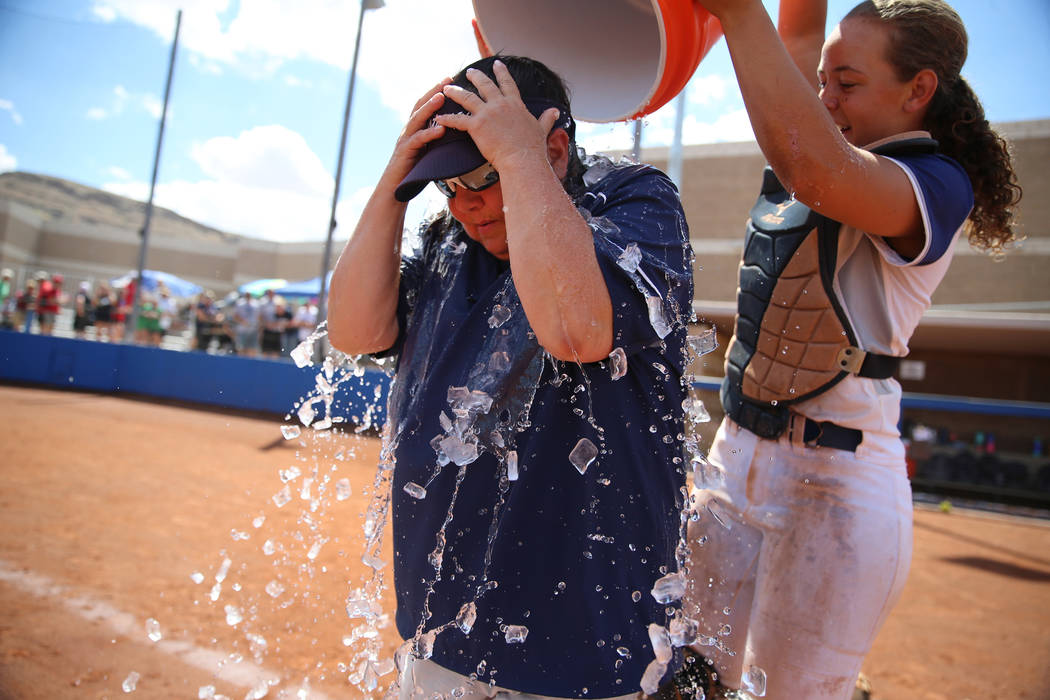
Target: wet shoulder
[(606, 182)]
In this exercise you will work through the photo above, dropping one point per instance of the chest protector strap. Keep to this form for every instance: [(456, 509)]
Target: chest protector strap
[(793, 339)]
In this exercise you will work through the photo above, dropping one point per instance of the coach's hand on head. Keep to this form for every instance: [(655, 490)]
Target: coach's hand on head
[(497, 119)]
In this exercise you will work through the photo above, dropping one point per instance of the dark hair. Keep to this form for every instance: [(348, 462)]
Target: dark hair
[(930, 34), (534, 81)]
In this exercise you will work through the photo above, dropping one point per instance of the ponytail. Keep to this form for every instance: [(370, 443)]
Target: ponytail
[(956, 119), (930, 34)]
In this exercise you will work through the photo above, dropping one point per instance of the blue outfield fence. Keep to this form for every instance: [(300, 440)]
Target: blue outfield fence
[(937, 402), (274, 387), (216, 380)]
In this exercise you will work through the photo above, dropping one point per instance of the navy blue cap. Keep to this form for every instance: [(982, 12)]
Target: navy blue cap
[(455, 153)]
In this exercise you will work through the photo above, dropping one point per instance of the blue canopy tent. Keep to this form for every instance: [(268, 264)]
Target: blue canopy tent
[(259, 287), (151, 279), (306, 289)]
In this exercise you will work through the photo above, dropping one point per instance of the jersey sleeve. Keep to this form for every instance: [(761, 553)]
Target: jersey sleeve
[(945, 197), (642, 243)]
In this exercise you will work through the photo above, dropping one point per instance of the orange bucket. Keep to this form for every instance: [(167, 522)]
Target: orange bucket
[(622, 59)]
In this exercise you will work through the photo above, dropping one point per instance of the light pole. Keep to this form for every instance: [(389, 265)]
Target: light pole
[(322, 298), (133, 318)]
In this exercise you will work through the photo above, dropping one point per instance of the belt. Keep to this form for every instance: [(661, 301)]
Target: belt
[(824, 434)]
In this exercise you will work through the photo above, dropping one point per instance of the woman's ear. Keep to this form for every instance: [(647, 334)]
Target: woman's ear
[(923, 88), (558, 152)]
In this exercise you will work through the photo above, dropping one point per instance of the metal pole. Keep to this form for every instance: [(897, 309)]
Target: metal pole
[(144, 245), (674, 159), (322, 298)]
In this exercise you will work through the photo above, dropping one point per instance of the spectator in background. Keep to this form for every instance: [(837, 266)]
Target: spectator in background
[(125, 298), (25, 306), (83, 310), (49, 301), (104, 309), (147, 325), (168, 311), (272, 324), (7, 300), (6, 284), (290, 335), (305, 320), (203, 320), (246, 325)]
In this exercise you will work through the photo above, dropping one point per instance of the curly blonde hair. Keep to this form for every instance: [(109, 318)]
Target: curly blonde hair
[(930, 34)]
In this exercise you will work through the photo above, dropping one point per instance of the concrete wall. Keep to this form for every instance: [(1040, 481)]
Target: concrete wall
[(720, 183)]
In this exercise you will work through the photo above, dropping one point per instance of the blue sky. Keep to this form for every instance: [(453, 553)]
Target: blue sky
[(259, 89)]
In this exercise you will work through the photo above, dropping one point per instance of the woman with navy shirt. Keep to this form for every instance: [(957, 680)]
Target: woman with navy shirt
[(535, 420)]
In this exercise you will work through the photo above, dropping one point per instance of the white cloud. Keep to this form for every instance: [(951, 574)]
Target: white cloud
[(120, 100), (265, 182), (729, 126), (269, 157), (7, 161), (118, 172), (432, 39), (708, 89), (272, 214), (9, 106)]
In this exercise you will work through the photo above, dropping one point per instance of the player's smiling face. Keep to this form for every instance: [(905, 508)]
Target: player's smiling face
[(858, 85)]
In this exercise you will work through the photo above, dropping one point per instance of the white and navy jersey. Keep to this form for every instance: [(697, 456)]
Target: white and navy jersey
[(885, 296)]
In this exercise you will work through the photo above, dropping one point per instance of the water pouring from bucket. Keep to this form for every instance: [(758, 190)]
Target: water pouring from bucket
[(633, 57)]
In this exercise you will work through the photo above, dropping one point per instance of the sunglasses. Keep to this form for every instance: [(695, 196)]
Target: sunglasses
[(476, 180)]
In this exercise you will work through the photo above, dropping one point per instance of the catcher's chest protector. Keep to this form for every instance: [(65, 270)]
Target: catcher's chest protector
[(793, 339)]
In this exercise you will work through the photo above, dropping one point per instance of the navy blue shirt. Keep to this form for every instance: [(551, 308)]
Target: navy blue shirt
[(570, 557)]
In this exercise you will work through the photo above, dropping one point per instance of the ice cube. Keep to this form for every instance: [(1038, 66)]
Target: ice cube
[(342, 489), (499, 316), (583, 455), (669, 588), (661, 642), (704, 342), (651, 678), (282, 497), (233, 615), (302, 354), (131, 682), (512, 465), (415, 490), (516, 634), (460, 452), (630, 258), (153, 630), (617, 363), (656, 316), (682, 630), (468, 614), (755, 681)]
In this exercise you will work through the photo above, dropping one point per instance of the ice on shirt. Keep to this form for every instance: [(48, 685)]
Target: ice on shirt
[(657, 318), (500, 315), (516, 634), (583, 455), (630, 258), (617, 363), (468, 615), (415, 491)]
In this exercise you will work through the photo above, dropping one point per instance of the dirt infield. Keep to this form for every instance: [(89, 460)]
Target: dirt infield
[(109, 506)]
